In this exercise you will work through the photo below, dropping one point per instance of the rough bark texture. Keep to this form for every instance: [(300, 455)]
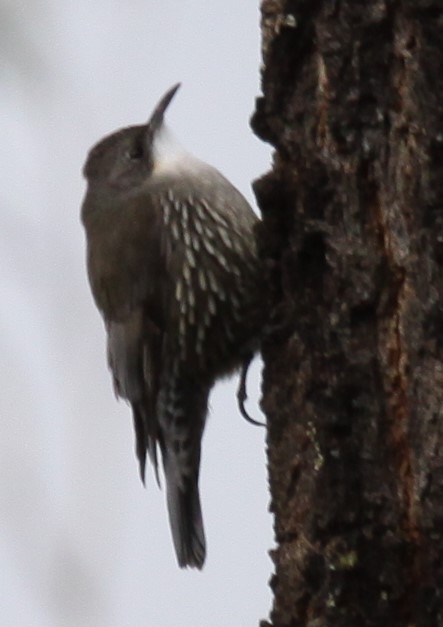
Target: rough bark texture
[(353, 238)]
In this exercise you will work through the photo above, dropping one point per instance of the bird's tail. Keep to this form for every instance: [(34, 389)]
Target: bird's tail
[(185, 518), (182, 412)]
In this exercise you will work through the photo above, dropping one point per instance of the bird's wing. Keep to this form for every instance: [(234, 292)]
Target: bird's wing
[(128, 268), (132, 346)]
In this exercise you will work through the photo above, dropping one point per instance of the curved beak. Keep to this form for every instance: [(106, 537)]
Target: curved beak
[(156, 119)]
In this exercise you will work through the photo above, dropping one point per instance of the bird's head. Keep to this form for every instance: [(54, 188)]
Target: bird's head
[(131, 155)]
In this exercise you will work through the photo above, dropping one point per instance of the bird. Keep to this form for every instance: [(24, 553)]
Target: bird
[(174, 270)]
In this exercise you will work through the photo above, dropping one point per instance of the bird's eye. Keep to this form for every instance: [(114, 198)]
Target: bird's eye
[(136, 151)]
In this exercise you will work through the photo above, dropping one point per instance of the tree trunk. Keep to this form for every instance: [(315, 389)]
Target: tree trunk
[(352, 235)]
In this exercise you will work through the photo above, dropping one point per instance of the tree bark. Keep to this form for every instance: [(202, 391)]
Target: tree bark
[(352, 237)]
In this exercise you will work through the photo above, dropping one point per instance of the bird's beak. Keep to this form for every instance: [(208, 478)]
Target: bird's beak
[(156, 119)]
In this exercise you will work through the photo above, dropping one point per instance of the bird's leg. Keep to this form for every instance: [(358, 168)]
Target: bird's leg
[(242, 394)]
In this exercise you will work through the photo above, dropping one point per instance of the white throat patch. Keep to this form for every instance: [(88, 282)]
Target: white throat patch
[(169, 155)]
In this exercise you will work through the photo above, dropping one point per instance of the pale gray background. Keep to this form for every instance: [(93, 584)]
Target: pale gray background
[(81, 542)]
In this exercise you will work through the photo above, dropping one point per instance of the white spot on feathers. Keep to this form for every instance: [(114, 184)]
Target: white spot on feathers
[(179, 291), (174, 230), (190, 257), (225, 237), (187, 274), (211, 305), (202, 280)]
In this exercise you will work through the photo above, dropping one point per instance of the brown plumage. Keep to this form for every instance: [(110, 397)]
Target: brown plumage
[(173, 268)]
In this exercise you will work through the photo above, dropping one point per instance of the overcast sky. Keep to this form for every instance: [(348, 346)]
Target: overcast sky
[(81, 541)]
